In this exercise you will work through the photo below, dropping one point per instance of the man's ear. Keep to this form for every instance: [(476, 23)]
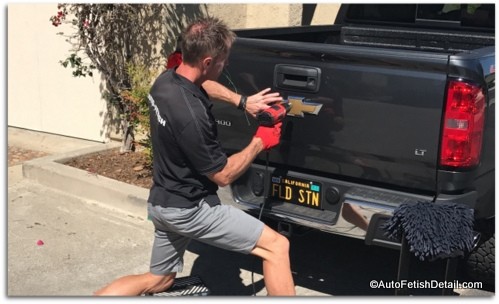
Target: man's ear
[(207, 62)]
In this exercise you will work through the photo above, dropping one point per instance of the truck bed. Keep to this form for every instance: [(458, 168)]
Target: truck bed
[(379, 36)]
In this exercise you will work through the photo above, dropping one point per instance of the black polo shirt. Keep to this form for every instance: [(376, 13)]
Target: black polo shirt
[(184, 142)]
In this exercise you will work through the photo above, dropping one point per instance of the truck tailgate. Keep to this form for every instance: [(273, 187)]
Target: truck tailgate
[(359, 113)]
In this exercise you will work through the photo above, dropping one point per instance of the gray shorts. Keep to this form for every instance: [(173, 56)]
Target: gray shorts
[(222, 226)]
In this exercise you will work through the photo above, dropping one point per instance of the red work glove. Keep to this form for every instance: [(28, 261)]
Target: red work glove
[(270, 135), (174, 60)]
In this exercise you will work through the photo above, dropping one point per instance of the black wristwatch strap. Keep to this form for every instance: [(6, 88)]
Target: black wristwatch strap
[(242, 102)]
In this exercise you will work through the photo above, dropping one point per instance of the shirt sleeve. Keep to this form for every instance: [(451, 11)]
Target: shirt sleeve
[(201, 147)]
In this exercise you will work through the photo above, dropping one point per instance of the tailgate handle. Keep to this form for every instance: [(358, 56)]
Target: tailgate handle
[(297, 77)]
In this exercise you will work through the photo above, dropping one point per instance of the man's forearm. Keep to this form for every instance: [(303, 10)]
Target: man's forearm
[(238, 163), (217, 91)]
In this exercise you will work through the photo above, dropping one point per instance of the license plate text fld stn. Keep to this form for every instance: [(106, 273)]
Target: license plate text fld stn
[(296, 191)]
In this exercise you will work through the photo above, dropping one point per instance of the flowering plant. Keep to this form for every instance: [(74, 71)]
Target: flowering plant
[(110, 38)]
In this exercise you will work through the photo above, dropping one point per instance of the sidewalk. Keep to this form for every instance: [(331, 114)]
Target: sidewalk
[(60, 244), (70, 233)]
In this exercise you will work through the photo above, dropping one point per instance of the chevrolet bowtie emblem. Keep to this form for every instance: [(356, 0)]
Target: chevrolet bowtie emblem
[(299, 107)]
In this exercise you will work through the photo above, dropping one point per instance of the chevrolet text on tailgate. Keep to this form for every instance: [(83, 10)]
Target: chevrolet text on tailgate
[(393, 103)]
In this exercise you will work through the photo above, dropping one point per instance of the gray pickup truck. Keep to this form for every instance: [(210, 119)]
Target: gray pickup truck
[(391, 103)]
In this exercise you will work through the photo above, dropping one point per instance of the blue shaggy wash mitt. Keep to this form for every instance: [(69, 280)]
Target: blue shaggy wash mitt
[(432, 230)]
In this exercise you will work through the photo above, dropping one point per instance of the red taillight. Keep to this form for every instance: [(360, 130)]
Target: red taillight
[(463, 125)]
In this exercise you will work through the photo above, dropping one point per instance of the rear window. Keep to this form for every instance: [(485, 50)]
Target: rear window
[(445, 15)]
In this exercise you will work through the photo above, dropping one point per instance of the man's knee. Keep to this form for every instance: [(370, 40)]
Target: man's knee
[(281, 244), (278, 243), (271, 245)]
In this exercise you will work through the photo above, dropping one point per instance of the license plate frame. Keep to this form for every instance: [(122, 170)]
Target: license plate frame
[(296, 191)]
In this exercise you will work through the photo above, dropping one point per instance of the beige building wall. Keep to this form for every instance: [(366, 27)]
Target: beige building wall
[(239, 16), (325, 13), (44, 96)]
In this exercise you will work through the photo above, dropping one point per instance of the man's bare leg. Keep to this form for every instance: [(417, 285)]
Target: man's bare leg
[(135, 285), (273, 248)]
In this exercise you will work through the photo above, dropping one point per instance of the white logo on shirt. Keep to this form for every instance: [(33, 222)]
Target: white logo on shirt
[(161, 121)]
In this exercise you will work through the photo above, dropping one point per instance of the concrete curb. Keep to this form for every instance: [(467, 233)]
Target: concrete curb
[(50, 171)]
